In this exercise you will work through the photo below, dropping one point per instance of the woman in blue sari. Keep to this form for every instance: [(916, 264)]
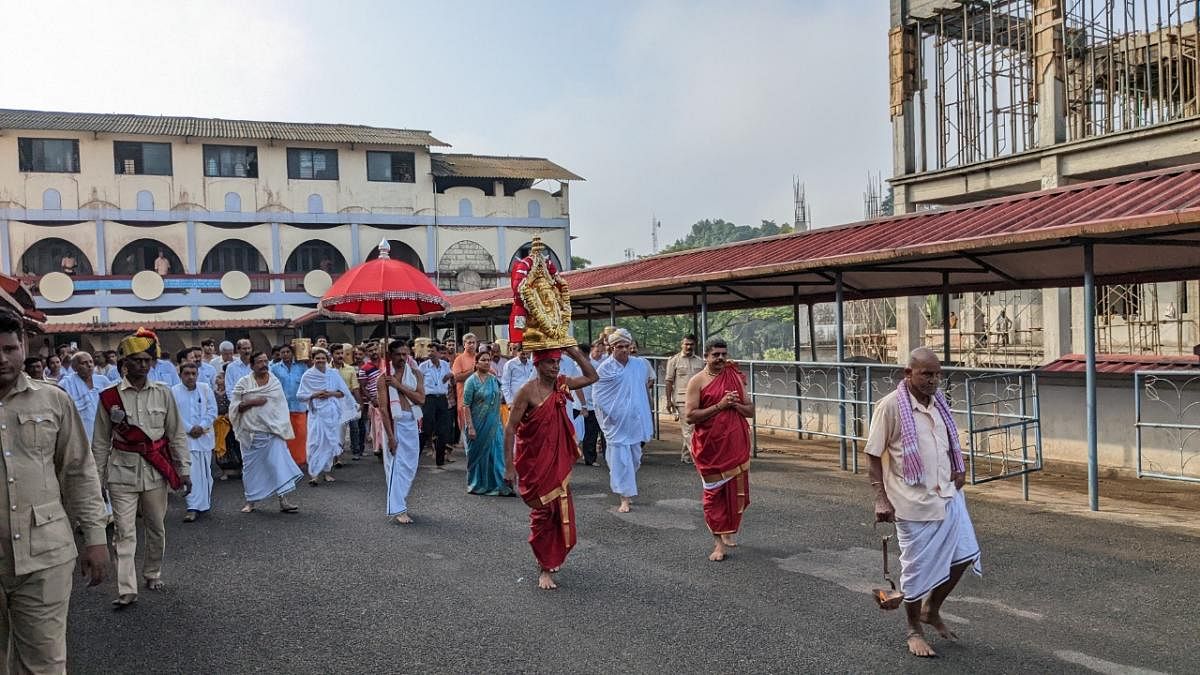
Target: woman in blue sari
[(485, 435)]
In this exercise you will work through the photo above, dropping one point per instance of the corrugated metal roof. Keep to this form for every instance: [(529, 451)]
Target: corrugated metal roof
[(1121, 364), (130, 326), (447, 165), (1144, 227), (204, 127)]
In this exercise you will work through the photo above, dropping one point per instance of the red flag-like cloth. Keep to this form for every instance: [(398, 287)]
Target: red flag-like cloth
[(544, 456), (721, 451), (133, 439)]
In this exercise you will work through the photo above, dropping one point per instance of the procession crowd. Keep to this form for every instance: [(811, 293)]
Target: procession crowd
[(125, 428)]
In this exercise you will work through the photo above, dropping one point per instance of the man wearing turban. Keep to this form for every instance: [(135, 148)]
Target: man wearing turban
[(623, 410), (141, 451)]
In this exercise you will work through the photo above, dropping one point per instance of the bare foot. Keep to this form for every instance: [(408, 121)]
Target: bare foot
[(155, 584), (330, 479), (247, 508), (546, 582), (719, 551), (124, 601), (287, 507), (626, 506), (728, 540), (403, 519), (917, 646), (935, 619)]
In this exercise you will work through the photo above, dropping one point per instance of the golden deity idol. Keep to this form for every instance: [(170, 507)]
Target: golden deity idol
[(548, 302)]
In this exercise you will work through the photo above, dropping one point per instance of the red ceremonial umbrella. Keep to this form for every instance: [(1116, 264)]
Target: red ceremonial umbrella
[(382, 288)]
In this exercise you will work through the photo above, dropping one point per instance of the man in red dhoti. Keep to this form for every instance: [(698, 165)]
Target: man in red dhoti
[(718, 407), (540, 450)]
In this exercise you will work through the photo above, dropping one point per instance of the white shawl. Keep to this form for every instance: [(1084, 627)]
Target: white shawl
[(409, 379), (313, 382), (271, 418), (622, 402)]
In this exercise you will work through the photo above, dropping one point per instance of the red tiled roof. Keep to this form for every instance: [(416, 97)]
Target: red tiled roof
[(130, 326), (1023, 241), (1121, 364)]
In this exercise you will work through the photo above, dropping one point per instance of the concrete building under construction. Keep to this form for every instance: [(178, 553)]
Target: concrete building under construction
[(995, 98)]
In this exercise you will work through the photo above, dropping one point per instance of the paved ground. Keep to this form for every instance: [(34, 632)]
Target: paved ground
[(338, 588)]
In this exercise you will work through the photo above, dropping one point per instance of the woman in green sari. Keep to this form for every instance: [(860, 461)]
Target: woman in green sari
[(485, 434)]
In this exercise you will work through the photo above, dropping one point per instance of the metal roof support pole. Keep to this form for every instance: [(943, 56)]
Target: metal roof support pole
[(703, 315), (796, 357), (1089, 349), (839, 301), (695, 319), (590, 338), (612, 311), (946, 318), (812, 334)]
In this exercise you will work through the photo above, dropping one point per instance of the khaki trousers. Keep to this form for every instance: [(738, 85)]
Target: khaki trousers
[(686, 430), (153, 507), (33, 620)]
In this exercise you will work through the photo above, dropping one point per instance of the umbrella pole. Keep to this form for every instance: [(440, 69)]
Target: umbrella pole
[(387, 354)]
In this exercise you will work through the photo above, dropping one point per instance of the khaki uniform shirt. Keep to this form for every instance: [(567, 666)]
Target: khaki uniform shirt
[(47, 466), (680, 371), (153, 410), (921, 501)]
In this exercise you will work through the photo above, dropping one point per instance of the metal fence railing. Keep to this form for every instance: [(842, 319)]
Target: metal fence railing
[(1167, 424), (997, 411)]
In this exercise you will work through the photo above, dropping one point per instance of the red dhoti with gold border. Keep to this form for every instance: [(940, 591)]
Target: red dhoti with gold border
[(544, 456), (721, 451)]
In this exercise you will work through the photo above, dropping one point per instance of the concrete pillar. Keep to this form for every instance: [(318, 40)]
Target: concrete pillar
[(1077, 324), (1056, 323), (5, 248), (910, 326), (498, 188), (1048, 78)]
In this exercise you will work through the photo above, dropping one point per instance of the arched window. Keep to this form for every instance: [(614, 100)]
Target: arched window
[(233, 202), (316, 255), (524, 251), (316, 204), (145, 200), (469, 257), (234, 255), (535, 208), (142, 254), (464, 207), (51, 200), (400, 251), (54, 255)]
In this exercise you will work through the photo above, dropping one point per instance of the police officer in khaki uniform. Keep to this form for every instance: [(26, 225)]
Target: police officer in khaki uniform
[(46, 473), (145, 423), (681, 368)]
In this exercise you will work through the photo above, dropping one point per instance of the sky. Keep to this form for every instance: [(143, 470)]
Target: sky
[(680, 110)]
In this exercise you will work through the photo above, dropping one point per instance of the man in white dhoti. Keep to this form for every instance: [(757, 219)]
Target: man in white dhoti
[(623, 410), (198, 410), (83, 384), (917, 473), (330, 405), (262, 424), (401, 395)]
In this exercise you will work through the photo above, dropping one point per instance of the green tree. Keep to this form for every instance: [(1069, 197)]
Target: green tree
[(580, 263), (750, 332)]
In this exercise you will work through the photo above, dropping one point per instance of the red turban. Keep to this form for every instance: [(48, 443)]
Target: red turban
[(543, 354)]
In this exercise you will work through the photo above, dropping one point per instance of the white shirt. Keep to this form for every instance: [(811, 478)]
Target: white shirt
[(164, 371), (110, 371), (86, 400), (589, 400), (197, 408), (234, 373), (516, 374), (208, 374), (435, 383)]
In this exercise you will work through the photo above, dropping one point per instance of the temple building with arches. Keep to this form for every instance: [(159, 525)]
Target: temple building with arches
[(211, 228)]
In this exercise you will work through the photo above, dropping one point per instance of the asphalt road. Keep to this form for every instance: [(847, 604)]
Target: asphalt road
[(339, 588)]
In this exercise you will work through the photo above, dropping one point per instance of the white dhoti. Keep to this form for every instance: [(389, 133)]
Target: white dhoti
[(200, 498), (326, 416), (268, 468), (623, 462), (623, 411), (400, 468), (929, 548)]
